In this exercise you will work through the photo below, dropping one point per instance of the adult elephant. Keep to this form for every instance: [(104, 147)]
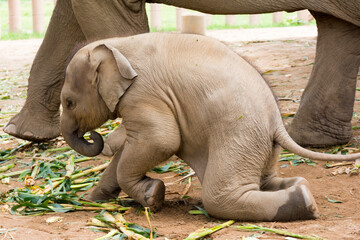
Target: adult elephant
[(325, 112)]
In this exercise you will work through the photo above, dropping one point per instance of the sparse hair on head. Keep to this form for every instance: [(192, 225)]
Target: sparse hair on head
[(74, 51)]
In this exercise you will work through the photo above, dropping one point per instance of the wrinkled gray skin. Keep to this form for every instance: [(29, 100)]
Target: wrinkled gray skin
[(191, 96), (326, 108)]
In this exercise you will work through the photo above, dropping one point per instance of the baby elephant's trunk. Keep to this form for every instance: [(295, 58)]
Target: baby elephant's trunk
[(79, 144)]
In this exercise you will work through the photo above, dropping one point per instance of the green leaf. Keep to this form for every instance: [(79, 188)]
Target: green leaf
[(140, 230), (164, 168), (333, 200), (202, 211)]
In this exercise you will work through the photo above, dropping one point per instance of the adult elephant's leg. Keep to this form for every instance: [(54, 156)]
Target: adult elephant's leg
[(38, 120), (105, 19), (325, 112)]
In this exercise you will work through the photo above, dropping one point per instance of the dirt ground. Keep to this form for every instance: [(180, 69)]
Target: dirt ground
[(287, 66)]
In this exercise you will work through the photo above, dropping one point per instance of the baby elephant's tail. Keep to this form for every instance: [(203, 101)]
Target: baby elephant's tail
[(283, 138)]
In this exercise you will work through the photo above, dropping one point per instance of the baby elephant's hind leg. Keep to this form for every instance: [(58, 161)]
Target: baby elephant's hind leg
[(243, 199), (274, 183)]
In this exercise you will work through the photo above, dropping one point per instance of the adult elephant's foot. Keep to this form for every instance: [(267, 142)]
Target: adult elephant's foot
[(326, 107), (319, 132), (34, 126)]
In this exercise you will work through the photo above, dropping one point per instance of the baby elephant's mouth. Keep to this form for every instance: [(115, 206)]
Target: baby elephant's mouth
[(80, 133)]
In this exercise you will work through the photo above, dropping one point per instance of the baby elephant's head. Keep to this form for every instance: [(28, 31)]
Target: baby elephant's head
[(96, 77)]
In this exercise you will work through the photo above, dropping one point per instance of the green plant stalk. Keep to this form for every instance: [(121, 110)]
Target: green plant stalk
[(53, 186), (70, 167), (82, 208), (35, 170), (7, 167), (92, 170), (83, 159), (149, 222), (12, 174), (97, 223), (15, 149), (86, 172), (198, 235), (81, 185), (276, 231), (287, 155), (103, 205), (58, 149), (196, 212), (83, 180), (120, 223), (109, 234)]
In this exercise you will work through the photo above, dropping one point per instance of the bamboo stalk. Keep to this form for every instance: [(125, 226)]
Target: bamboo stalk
[(83, 180), (86, 208), (97, 223), (92, 170), (276, 231), (58, 149), (70, 167), (149, 222), (35, 169), (58, 181), (83, 159), (53, 186), (187, 188), (12, 174), (7, 167), (208, 231), (120, 223), (110, 234), (81, 185), (15, 149), (328, 165)]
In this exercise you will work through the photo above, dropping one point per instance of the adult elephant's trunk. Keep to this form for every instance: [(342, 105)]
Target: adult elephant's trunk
[(78, 143)]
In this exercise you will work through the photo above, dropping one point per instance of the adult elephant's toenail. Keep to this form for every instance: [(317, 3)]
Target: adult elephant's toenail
[(28, 134), (10, 129)]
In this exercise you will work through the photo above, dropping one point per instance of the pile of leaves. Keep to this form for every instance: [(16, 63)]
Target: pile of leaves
[(54, 178)]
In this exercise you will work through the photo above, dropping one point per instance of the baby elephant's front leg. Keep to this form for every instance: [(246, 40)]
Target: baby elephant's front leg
[(114, 141), (152, 137), (108, 186)]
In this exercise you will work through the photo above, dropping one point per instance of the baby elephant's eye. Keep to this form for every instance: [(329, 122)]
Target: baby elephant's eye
[(70, 104)]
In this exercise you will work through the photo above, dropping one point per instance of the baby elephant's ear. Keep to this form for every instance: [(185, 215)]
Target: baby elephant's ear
[(112, 84)]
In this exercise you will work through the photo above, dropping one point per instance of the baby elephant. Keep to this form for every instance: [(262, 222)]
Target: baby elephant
[(191, 96)]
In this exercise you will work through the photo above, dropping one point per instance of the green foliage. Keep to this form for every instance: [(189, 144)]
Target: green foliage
[(251, 227), (140, 230), (179, 167), (295, 160)]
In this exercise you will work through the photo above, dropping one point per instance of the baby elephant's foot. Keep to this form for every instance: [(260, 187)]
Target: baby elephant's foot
[(301, 205), (99, 194), (154, 194)]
